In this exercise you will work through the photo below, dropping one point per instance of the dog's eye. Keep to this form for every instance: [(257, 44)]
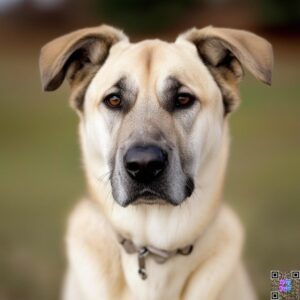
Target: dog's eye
[(184, 100), (113, 101)]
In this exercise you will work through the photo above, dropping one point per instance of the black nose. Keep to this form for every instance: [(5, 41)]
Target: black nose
[(145, 163)]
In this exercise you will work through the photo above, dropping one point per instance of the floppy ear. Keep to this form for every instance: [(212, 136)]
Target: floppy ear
[(77, 55), (226, 51)]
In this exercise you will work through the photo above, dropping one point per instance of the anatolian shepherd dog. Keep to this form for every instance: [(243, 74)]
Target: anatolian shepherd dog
[(154, 137)]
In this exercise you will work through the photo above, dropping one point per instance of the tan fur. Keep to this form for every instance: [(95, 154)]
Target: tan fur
[(252, 51), (208, 63), (54, 55)]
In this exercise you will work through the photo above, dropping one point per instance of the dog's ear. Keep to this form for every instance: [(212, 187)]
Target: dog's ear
[(226, 52), (77, 55)]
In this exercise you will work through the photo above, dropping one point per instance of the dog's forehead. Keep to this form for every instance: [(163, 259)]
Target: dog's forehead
[(136, 49), (150, 53)]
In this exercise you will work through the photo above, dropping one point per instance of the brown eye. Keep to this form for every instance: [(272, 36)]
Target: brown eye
[(184, 100), (113, 101)]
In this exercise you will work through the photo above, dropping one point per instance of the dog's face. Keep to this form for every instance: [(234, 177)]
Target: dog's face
[(158, 112), (153, 113)]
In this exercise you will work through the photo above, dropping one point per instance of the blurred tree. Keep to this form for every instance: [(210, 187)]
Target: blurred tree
[(142, 15), (281, 13)]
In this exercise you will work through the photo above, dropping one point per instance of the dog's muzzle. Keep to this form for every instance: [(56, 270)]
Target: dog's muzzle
[(149, 173)]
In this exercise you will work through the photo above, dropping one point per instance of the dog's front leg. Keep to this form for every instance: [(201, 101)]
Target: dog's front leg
[(94, 270), (210, 277)]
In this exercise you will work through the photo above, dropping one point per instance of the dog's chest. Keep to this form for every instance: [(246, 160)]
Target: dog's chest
[(164, 281)]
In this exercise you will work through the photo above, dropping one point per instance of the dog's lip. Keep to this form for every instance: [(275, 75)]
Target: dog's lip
[(150, 197), (150, 201), (148, 194)]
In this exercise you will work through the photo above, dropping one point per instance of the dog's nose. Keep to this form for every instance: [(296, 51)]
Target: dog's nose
[(145, 163)]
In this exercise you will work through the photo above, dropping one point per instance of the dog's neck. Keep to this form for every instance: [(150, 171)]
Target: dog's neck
[(160, 256)]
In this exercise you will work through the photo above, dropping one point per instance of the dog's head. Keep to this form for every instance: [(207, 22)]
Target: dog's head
[(153, 114)]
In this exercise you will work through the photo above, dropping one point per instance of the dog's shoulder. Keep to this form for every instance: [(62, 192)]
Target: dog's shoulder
[(83, 214), (87, 224), (230, 225), (93, 253)]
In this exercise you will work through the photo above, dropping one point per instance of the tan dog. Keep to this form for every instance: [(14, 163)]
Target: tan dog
[(154, 137)]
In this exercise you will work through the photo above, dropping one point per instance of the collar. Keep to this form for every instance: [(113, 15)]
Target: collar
[(160, 256)]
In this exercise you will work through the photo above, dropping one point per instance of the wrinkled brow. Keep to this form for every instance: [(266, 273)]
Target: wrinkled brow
[(170, 90), (172, 84), (124, 85)]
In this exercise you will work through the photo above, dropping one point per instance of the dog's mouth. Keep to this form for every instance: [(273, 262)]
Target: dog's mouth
[(148, 196), (151, 196)]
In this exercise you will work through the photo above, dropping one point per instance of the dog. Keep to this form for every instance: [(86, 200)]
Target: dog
[(155, 140)]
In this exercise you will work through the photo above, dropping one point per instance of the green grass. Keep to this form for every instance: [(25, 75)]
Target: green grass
[(41, 177)]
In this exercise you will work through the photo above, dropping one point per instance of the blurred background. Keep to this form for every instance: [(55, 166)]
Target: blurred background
[(41, 176)]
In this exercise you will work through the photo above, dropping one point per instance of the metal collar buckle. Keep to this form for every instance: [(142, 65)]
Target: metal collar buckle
[(143, 253), (160, 256)]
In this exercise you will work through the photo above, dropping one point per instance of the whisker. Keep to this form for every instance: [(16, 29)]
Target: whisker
[(103, 176), (105, 180)]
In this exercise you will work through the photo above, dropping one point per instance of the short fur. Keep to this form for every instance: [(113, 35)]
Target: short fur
[(207, 63)]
